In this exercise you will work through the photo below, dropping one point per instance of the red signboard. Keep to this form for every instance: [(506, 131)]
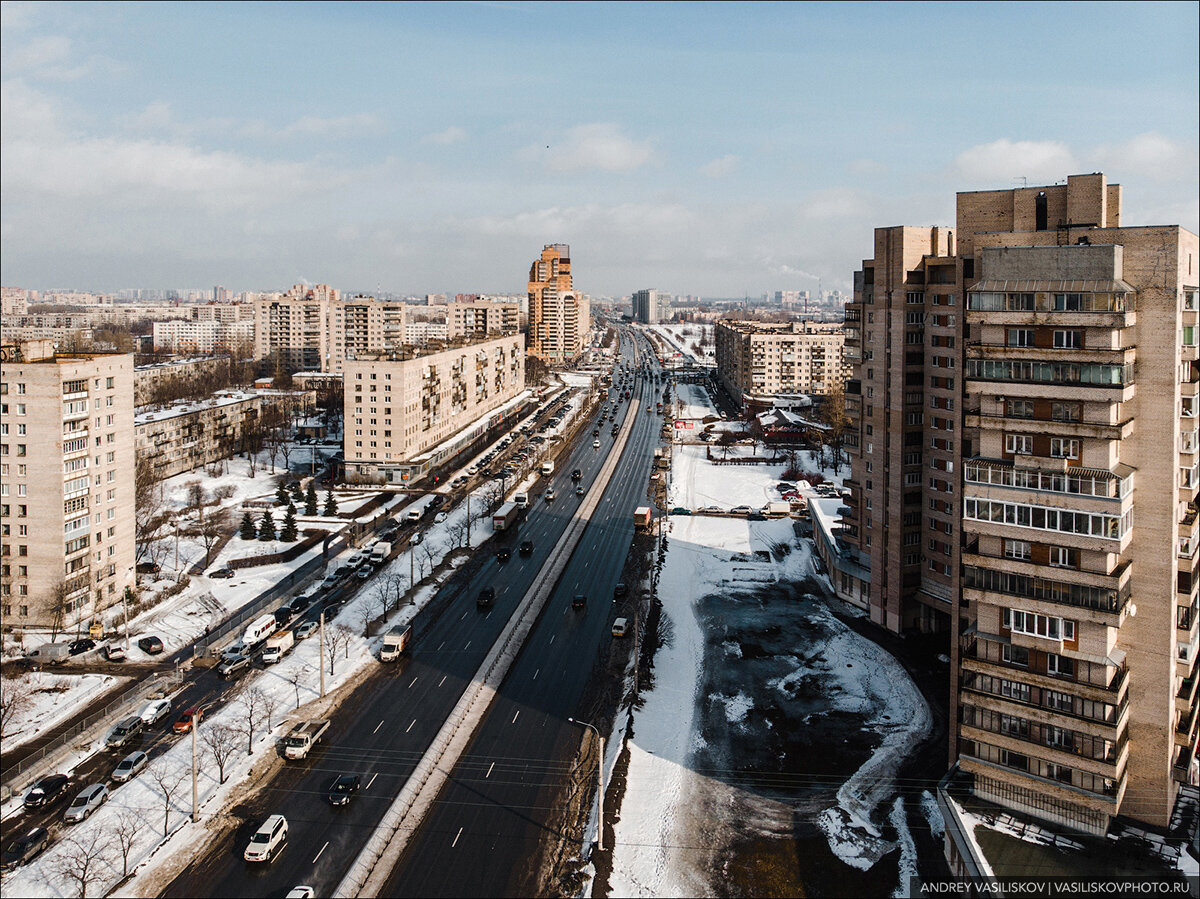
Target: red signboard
[(685, 425)]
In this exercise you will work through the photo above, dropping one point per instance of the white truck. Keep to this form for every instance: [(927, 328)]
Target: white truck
[(505, 517), (277, 645), (777, 509), (303, 737), (259, 629), (547, 468), (51, 653), (395, 642), (380, 551)]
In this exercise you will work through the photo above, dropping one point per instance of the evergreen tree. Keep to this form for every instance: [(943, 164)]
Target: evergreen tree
[(289, 533), (266, 527), (249, 531), (330, 504), (281, 496), (297, 493), (310, 500)]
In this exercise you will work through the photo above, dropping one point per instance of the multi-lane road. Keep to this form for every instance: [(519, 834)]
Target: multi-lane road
[(495, 806)]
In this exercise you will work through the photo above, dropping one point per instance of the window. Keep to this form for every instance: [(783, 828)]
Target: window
[(1018, 549), (1068, 340), (1019, 408), (1014, 655), (1062, 448), (1060, 665), (1018, 444), (1020, 337), (1062, 557), (1066, 411)]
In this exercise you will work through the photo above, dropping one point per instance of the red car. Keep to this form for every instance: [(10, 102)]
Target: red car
[(184, 722)]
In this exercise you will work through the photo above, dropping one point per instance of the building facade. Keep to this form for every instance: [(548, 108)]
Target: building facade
[(295, 328), (399, 406), (204, 336), (186, 436), (559, 317), (66, 487), (651, 307), (758, 359), (478, 318)]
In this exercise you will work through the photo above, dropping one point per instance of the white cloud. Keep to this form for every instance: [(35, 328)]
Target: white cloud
[(866, 168), (726, 165), (600, 146), (1149, 155), (451, 135), (1001, 161)]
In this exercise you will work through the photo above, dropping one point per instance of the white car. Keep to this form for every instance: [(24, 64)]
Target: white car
[(267, 840), (155, 711), (440, 517), (89, 799), (595, 444)]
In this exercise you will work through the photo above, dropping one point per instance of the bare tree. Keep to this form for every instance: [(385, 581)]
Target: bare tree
[(16, 697), (125, 830), (253, 708), (211, 527), (299, 675), (337, 639), (84, 859), (389, 590), (167, 779), (148, 516), (457, 531), (220, 742), (367, 611), (426, 558), (270, 705)]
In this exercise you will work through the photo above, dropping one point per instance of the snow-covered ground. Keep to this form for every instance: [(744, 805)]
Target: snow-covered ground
[(754, 674)]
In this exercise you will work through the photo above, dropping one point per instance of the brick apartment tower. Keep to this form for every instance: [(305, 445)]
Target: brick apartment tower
[(558, 317), (1052, 417)]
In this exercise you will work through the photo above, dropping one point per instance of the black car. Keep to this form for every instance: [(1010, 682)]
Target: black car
[(75, 647), (526, 548), (24, 848), (503, 555), (620, 590), (578, 601), (225, 572), (436, 502), (46, 792), (147, 568), (151, 645), (343, 789), (577, 475), (486, 597), (282, 616)]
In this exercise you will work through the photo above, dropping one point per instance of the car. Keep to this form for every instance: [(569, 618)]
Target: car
[(576, 475), (283, 615), (224, 572), (486, 597), (331, 608), (183, 724), (756, 516), (595, 444), (114, 653), (305, 629), (681, 510), (526, 548), (148, 568), (549, 495), (129, 766), (267, 840), (87, 801), (364, 573), (46, 792), (24, 848), (596, 431), (155, 711), (503, 554), (233, 667), (436, 502), (620, 590), (78, 647), (414, 539), (711, 510), (151, 645), (578, 601), (580, 491), (740, 510), (343, 789), (126, 730)]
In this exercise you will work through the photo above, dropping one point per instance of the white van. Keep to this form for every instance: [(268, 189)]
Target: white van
[(521, 500), (620, 626), (267, 840), (259, 630)]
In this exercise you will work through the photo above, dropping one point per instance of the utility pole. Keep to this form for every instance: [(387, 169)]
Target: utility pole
[(195, 789), (322, 653), (599, 784)]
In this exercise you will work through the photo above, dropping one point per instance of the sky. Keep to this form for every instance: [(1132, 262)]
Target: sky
[(712, 149)]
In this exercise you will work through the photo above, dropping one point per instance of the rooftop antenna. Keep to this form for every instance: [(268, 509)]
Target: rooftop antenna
[(1024, 181)]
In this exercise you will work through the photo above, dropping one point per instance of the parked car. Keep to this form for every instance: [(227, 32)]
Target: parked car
[(681, 510), (78, 647), (233, 667), (89, 799), (283, 615), (147, 568), (305, 629), (343, 789), (225, 572), (24, 848), (155, 711), (129, 766), (267, 840), (620, 590), (740, 510), (114, 653), (151, 645), (48, 791), (183, 724)]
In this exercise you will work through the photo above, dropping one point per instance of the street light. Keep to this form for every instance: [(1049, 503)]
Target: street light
[(599, 782)]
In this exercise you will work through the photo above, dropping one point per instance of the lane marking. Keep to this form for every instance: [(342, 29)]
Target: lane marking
[(443, 680), (371, 781), (443, 644), (318, 855), (468, 646), (514, 721), (552, 638), (377, 726), (489, 770), (535, 674), (410, 727), (414, 680), (456, 836)]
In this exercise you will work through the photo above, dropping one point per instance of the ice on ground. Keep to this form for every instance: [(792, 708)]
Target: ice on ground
[(737, 707), (933, 814), (908, 849)]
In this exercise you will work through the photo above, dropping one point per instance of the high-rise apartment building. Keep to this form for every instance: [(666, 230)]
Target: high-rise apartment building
[(1024, 411), (403, 411), (479, 317), (296, 328), (559, 318), (651, 306), (66, 485), (758, 360)]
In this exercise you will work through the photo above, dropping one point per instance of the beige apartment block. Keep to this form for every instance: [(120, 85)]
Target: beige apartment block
[(296, 327), (478, 318), (401, 405), (204, 336), (559, 317), (67, 485), (757, 360), (187, 436), (1076, 655)]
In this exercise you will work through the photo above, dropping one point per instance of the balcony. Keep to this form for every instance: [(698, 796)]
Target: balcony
[(1111, 600), (1094, 482)]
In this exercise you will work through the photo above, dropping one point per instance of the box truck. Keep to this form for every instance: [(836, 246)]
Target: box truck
[(395, 642), (506, 517), (641, 517), (277, 645)]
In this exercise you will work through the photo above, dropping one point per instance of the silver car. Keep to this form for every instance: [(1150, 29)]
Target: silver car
[(89, 799), (130, 766)]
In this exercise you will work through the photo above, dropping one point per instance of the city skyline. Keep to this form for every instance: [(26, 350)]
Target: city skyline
[(714, 150)]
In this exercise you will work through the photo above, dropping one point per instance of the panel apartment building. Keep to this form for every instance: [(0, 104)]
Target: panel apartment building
[(759, 360), (400, 407), (478, 318), (559, 318), (66, 485), (1069, 463)]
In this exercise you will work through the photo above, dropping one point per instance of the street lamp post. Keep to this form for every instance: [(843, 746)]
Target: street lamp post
[(599, 784)]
